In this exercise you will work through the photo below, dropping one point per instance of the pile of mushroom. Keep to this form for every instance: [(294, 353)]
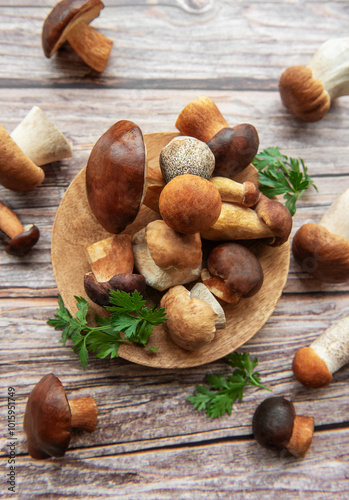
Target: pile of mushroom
[(194, 198)]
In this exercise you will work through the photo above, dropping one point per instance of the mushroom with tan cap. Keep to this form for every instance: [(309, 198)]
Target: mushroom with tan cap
[(307, 91), (165, 257), (112, 263), (322, 250), (246, 193), (191, 321), (22, 238), (69, 21), (313, 366), (276, 426), (233, 272), (233, 147), (40, 139), (49, 418)]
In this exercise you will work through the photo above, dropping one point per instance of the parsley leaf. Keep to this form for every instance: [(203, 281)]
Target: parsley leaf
[(223, 392), (129, 315), (278, 174)]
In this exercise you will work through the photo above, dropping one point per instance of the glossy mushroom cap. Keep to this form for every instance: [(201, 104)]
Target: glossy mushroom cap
[(100, 292), (277, 217), (233, 272), (115, 176), (23, 242)]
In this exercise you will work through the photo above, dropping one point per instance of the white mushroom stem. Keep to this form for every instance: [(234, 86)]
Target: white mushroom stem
[(333, 345), (336, 218), (40, 139), (201, 292), (330, 65)]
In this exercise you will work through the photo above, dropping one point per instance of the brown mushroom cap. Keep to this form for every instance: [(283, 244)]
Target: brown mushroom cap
[(99, 292), (115, 176), (321, 253), (277, 217), (63, 17), (23, 242), (309, 369)]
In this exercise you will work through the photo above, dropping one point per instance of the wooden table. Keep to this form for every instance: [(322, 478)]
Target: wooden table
[(150, 443)]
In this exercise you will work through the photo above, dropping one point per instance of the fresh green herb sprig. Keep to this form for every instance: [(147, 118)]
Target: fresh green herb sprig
[(223, 393), (279, 174), (129, 316)]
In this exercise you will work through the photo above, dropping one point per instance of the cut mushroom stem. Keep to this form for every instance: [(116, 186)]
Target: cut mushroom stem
[(313, 366), (22, 238), (246, 194), (83, 413), (307, 91)]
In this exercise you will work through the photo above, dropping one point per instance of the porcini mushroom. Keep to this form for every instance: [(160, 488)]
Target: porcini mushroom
[(246, 193), (233, 147), (232, 272), (49, 418), (191, 321), (40, 139), (69, 21), (22, 238), (190, 204), (276, 426), (322, 250), (116, 175), (165, 257), (313, 366), (307, 91), (17, 171)]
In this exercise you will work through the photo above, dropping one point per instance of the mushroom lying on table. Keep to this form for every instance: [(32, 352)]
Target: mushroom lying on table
[(22, 238), (307, 91), (322, 250), (49, 418)]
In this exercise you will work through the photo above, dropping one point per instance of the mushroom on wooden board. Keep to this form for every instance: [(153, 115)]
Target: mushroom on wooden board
[(313, 366), (246, 193), (49, 418), (322, 250), (69, 21), (276, 426), (233, 147), (22, 238), (307, 91)]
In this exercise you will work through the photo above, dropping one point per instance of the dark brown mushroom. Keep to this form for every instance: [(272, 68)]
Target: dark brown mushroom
[(276, 426), (49, 418), (277, 217), (22, 239), (100, 292), (69, 21), (233, 147)]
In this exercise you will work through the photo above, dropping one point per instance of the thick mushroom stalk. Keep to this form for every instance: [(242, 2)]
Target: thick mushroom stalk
[(322, 250), (233, 147), (22, 238), (246, 193), (307, 91), (276, 426), (313, 366), (69, 21), (49, 418)]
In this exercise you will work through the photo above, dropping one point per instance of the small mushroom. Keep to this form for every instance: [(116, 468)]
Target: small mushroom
[(165, 257), (22, 238), (276, 426), (186, 155), (116, 176), (246, 193), (322, 250), (17, 171), (232, 272), (99, 292), (191, 321), (69, 21), (233, 147), (190, 204), (313, 366), (40, 139), (49, 418), (307, 91)]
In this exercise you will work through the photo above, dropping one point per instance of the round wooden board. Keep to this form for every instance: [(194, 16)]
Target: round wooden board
[(75, 228)]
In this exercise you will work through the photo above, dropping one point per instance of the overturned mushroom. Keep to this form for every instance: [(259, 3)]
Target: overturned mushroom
[(233, 147), (307, 91), (313, 366), (49, 418), (322, 250), (232, 272), (69, 21), (276, 426), (165, 257), (22, 238), (191, 321), (40, 139)]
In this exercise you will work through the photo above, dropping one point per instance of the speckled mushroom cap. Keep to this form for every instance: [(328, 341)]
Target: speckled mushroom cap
[(63, 17)]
